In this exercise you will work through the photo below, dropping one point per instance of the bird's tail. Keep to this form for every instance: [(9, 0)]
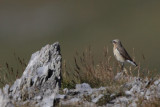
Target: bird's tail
[(132, 62)]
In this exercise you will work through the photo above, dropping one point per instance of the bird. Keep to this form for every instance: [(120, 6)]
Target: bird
[(121, 54)]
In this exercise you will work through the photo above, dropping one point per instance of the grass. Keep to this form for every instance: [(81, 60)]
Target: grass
[(154, 102), (102, 73), (8, 74), (87, 69)]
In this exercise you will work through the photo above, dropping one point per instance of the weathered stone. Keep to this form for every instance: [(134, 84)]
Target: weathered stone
[(40, 81), (134, 89), (4, 100)]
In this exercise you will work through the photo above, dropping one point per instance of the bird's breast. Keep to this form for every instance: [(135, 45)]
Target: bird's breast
[(118, 56)]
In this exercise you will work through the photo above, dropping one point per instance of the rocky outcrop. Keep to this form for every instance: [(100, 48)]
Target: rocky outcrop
[(41, 80), (133, 93), (39, 83), (82, 95)]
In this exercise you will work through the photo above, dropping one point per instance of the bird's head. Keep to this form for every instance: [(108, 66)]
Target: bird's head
[(116, 42)]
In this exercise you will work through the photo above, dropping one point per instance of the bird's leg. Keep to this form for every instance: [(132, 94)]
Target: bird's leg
[(124, 70), (122, 67)]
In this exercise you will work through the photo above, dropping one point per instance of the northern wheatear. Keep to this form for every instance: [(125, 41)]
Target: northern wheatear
[(121, 54)]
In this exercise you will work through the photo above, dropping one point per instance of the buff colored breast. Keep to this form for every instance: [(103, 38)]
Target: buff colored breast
[(117, 55)]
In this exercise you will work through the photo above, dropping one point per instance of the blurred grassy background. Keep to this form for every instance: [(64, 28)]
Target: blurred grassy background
[(26, 26)]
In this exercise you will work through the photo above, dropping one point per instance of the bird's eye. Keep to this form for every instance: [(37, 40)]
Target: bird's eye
[(114, 41)]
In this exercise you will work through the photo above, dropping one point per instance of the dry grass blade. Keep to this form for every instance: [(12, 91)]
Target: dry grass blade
[(8, 74), (101, 73), (85, 69)]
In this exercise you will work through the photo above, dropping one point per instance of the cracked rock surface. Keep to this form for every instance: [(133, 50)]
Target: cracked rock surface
[(40, 81)]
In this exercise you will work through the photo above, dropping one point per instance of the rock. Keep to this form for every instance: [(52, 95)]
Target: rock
[(4, 100), (95, 100), (65, 90), (59, 96), (83, 87), (157, 82), (82, 95), (6, 89), (130, 94), (40, 81)]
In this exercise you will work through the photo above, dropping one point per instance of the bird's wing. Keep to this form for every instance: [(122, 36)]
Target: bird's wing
[(124, 53)]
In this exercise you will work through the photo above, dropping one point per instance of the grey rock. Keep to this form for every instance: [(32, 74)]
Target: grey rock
[(82, 95), (157, 82), (133, 89), (65, 90), (59, 96), (6, 89), (83, 87), (40, 81), (95, 100), (5, 101)]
